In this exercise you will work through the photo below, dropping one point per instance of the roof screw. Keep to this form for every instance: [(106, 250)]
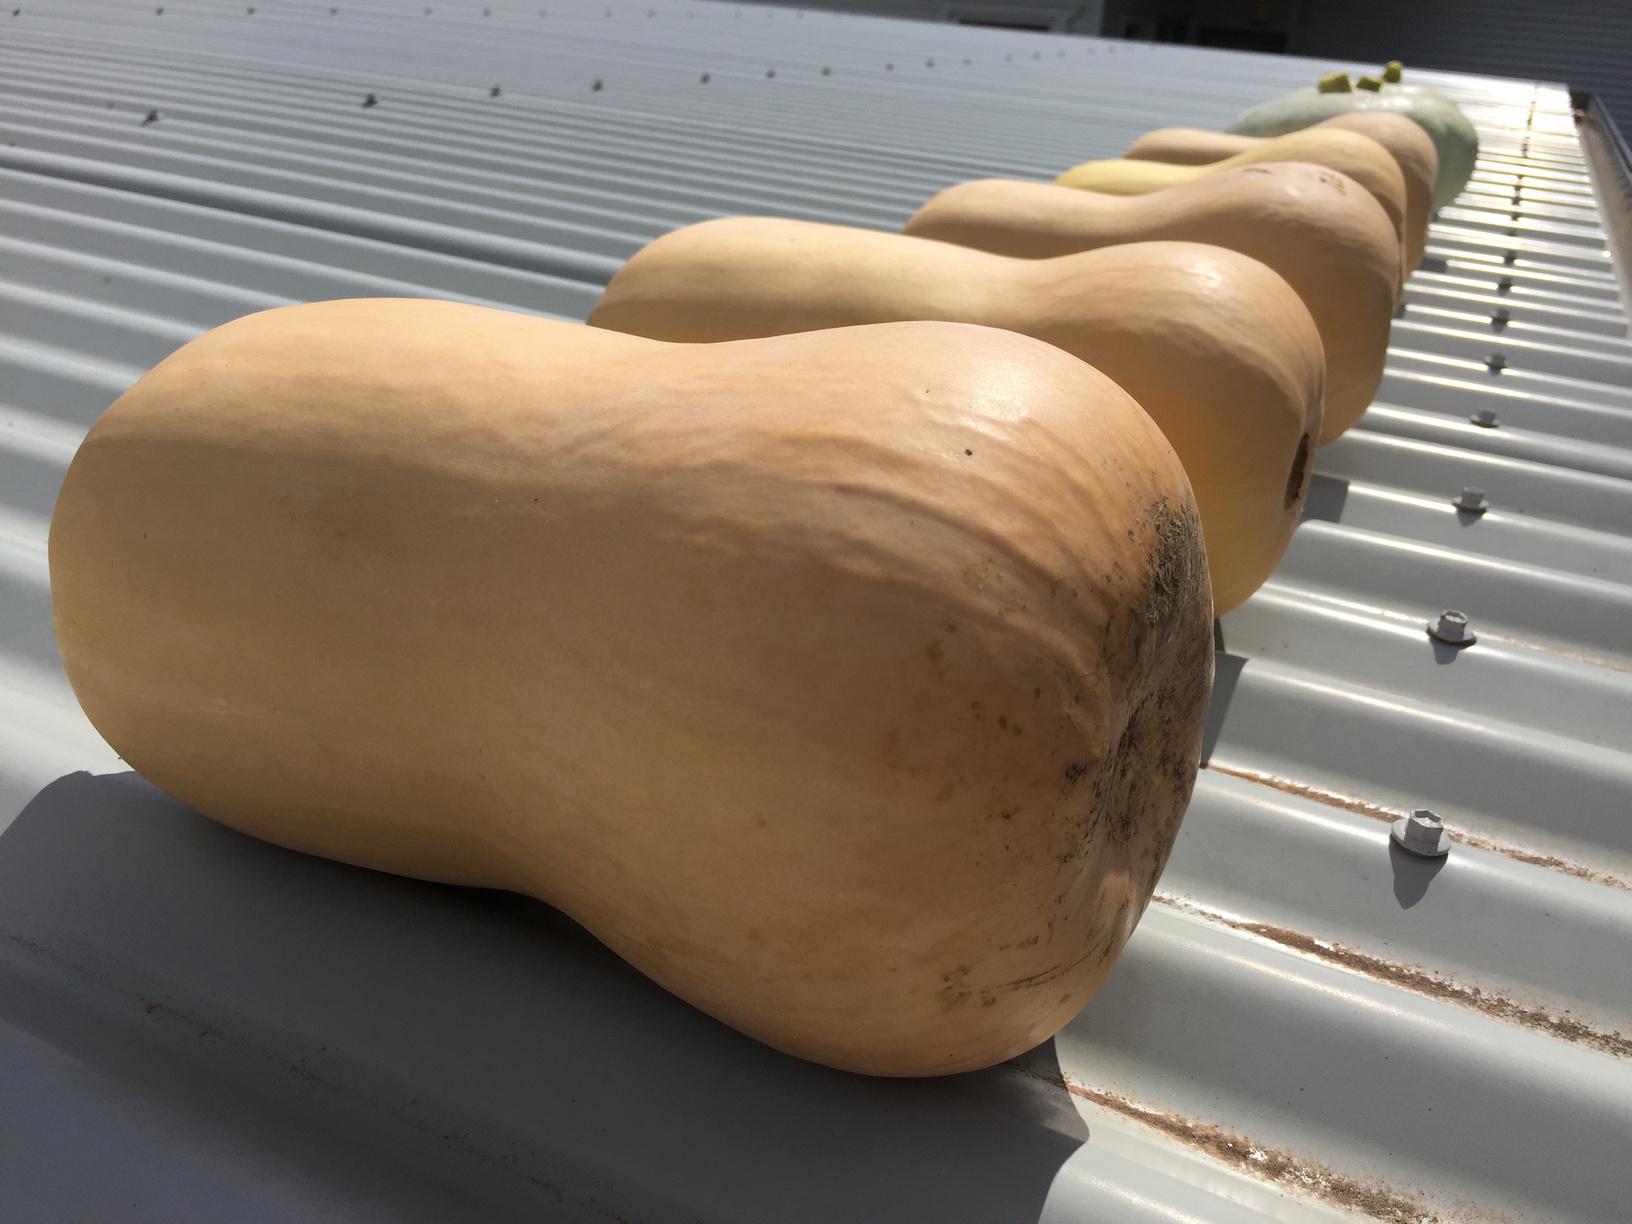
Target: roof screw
[(599, 85), (1399, 311), (1452, 629), (1505, 285), (770, 73), (703, 79), (1422, 833), (494, 92), (1472, 501), (1496, 362), (827, 72), (1485, 418), (250, 10), (371, 100), (1500, 317), (152, 117), (1512, 257)]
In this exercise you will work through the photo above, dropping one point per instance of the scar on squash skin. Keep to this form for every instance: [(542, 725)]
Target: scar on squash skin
[(1300, 469)]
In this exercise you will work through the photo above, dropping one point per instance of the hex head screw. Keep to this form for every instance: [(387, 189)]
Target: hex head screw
[(1505, 285), (1422, 833), (1471, 501), (1500, 318), (1452, 629), (1496, 362), (1485, 418)]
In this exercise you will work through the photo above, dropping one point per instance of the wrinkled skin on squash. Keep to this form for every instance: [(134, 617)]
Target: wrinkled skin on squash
[(1215, 346), (1407, 143), (850, 685), (1324, 234)]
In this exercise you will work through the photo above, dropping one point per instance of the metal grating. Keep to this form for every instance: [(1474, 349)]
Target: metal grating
[(1308, 1025)]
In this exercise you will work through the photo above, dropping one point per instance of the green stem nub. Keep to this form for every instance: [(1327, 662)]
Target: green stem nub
[(1375, 84), (1391, 72), (1336, 82)]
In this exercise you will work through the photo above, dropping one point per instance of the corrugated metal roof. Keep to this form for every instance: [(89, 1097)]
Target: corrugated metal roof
[(1307, 1024)]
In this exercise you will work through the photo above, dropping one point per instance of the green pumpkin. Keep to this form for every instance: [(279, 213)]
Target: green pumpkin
[(1454, 138)]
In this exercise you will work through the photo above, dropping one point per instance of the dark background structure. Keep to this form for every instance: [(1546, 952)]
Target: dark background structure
[(1586, 44)]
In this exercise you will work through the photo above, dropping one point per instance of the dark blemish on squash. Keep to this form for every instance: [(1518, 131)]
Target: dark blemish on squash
[(987, 1000), (955, 993), (1296, 479), (968, 452), (1018, 729), (934, 651), (1173, 570), (1006, 815), (1075, 772), (1030, 941), (1003, 721)]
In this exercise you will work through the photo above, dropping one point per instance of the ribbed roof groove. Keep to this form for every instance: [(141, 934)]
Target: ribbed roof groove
[(1308, 1025)]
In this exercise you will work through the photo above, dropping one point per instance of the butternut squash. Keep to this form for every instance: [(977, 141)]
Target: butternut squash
[(1359, 157), (850, 685), (1407, 143), (1215, 346), (1455, 140), (1325, 235)]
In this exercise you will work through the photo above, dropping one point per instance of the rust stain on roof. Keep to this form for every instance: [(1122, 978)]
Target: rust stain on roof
[(1378, 811), (1279, 1168), (1349, 803), (1411, 977)]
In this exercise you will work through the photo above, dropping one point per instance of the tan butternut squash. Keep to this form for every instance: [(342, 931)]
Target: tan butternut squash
[(1325, 235), (1215, 346), (1361, 158), (850, 685), (1407, 143)]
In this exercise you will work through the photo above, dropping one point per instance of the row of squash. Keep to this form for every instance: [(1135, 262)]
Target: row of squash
[(846, 674)]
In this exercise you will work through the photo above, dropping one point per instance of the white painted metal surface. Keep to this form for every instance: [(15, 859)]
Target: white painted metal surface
[(1308, 1025)]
